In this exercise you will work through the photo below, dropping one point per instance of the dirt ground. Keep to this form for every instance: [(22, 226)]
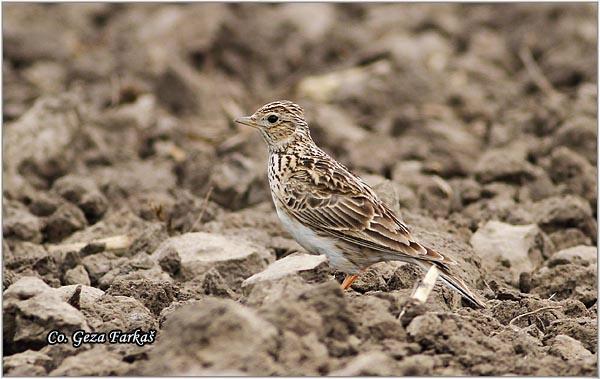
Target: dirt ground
[(478, 122)]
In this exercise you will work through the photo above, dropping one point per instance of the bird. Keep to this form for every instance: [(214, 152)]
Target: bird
[(328, 210)]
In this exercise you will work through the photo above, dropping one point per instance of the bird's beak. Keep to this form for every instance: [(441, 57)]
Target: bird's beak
[(246, 120)]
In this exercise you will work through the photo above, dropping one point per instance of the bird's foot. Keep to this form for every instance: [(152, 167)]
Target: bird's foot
[(348, 280)]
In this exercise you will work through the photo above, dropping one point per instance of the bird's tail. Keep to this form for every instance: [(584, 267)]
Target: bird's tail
[(454, 282)]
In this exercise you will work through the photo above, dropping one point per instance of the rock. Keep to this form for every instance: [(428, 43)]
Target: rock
[(220, 334), (27, 363), (288, 265), (19, 223), (44, 204), (32, 309), (587, 255), (569, 237), (342, 84), (333, 127), (88, 296), (321, 309), (40, 142), (432, 192), (505, 166), (84, 193), (26, 254), (118, 312), (98, 361), (214, 284), (373, 363), (139, 114), (97, 265), (522, 247), (375, 154), (311, 21), (375, 277), (466, 190), (134, 176), (575, 172), (25, 288), (77, 275), (301, 355), (65, 221), (376, 322), (200, 251), (48, 76), (421, 327), (559, 212), (584, 330), (566, 280), (569, 348), (177, 90), (416, 365), (170, 261), (155, 295), (238, 182), (579, 134), (142, 267), (148, 239)]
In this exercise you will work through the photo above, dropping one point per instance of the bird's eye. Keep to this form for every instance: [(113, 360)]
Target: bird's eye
[(272, 119)]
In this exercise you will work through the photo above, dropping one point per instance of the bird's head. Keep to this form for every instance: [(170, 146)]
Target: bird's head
[(279, 122)]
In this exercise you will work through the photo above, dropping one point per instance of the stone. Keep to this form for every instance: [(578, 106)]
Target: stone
[(583, 329), (19, 223), (170, 261), (333, 127), (32, 309), (212, 327), (77, 275), (84, 193), (557, 212), (238, 182), (287, 266), (155, 295), (575, 172), (28, 362), (97, 265), (88, 296), (505, 166), (118, 312), (566, 280), (518, 245), (416, 365), (569, 348), (65, 221), (24, 254), (40, 141), (580, 134), (98, 361), (588, 255), (569, 237), (43, 204), (373, 363), (200, 251), (25, 288)]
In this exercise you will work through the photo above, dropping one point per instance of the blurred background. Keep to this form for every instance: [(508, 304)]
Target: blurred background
[(438, 84), (118, 121)]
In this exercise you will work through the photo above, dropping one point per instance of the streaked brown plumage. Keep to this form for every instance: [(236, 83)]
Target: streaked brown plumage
[(331, 211)]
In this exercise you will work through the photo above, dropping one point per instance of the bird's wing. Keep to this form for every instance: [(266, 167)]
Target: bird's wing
[(336, 203)]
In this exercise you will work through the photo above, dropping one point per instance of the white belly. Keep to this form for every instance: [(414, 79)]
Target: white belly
[(314, 243)]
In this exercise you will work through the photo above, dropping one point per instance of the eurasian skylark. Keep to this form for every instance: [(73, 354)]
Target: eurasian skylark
[(331, 211)]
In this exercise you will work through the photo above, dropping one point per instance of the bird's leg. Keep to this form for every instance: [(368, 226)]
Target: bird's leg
[(348, 280)]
